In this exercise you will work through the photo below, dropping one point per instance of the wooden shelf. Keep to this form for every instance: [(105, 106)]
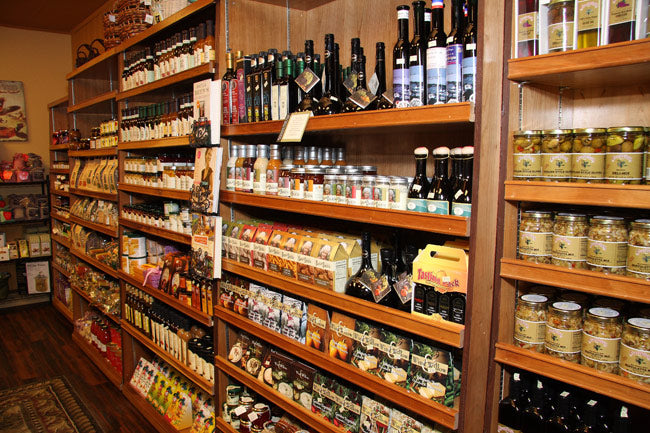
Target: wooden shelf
[(60, 217), (173, 302), (222, 426), (94, 194), (62, 308), (14, 222), (89, 153), (618, 64), (175, 194), (60, 192), (608, 384), (28, 183), (597, 283), (60, 269), (158, 232), (58, 102), (95, 104), (57, 147), (206, 69), (61, 240), (303, 5), (28, 259), (314, 421), (94, 262), (92, 63), (102, 363), (95, 305), (155, 144), (437, 330), (427, 117), (587, 194), (429, 409), (111, 231), (445, 224), (147, 410), (60, 170)]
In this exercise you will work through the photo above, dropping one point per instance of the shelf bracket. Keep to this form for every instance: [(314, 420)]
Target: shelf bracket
[(227, 25), (521, 104), (559, 106), (288, 26)]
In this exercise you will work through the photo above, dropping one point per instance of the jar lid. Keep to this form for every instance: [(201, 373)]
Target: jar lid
[(626, 129), (533, 299), (342, 176), (368, 168), (368, 178), (571, 217), (590, 131), (467, 150), (287, 166), (566, 307), (527, 132), (557, 131), (298, 170), (315, 170), (382, 179), (641, 224), (398, 180), (639, 322), (536, 214), (333, 170), (441, 151), (603, 313), (608, 220), (356, 177)]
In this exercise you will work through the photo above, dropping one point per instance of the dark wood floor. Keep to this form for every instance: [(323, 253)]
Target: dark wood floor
[(36, 343)]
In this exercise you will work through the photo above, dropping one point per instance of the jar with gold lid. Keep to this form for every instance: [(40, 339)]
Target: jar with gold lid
[(564, 331), (570, 235), (588, 159), (601, 335), (607, 245), (638, 250), (535, 236), (557, 145), (634, 361), (530, 322), (527, 162), (624, 159)]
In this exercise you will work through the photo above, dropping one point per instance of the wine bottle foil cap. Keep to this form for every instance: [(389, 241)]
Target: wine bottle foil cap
[(468, 150), (442, 150), (421, 151)]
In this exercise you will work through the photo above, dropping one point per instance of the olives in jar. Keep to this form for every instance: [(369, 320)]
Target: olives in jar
[(638, 250), (588, 159), (557, 145), (607, 245), (601, 336), (634, 361), (564, 331), (530, 322), (535, 236), (624, 159), (560, 25), (569, 248), (527, 162)]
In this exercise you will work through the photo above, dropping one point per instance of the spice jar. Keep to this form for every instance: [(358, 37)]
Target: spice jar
[(527, 160), (398, 192), (381, 192), (314, 180), (564, 331), (329, 185), (588, 159), (339, 190), (284, 181), (589, 14), (353, 190), (530, 322), (298, 182), (638, 250), (556, 155), (535, 236), (367, 187), (560, 25), (607, 245), (624, 159), (634, 362), (569, 248), (601, 335)]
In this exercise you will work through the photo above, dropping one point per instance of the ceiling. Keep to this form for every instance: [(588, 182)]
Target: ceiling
[(59, 16)]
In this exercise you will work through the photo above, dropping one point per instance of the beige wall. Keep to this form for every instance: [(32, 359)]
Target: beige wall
[(40, 60)]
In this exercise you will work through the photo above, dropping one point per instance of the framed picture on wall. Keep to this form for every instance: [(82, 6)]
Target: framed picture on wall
[(13, 120)]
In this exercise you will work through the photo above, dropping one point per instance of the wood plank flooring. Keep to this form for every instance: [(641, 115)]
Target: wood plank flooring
[(36, 343)]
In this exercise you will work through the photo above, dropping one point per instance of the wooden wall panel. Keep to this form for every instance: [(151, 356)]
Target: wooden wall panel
[(90, 29)]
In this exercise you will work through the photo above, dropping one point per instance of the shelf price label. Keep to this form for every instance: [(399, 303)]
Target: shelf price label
[(294, 127)]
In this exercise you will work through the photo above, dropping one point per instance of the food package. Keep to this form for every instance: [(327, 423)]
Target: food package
[(259, 246), (365, 355), (303, 381), (294, 318), (283, 369), (348, 413), (323, 395), (394, 357), (206, 246), (341, 336), (331, 266), (375, 416), (432, 373), (318, 324), (246, 237), (204, 195)]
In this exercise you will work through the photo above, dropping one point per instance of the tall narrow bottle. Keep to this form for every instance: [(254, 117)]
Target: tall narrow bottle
[(330, 103), (401, 51), (560, 421), (388, 278), (377, 84), (268, 77), (437, 56), (275, 90), (469, 53), (249, 92), (439, 194), (300, 67), (418, 58), (534, 415), (230, 167), (257, 86), (350, 105), (455, 54), (226, 91), (461, 200), (427, 23), (309, 102), (511, 407), (419, 188), (360, 284)]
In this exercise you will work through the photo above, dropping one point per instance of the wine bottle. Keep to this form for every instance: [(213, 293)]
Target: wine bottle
[(469, 53), (511, 407), (455, 54), (235, 90), (388, 278), (363, 283), (249, 90), (621, 422), (257, 86), (439, 194), (243, 65), (267, 79), (351, 104), (226, 93), (437, 57), (309, 102), (404, 286), (275, 90), (401, 51), (377, 84), (535, 414), (329, 103), (590, 422), (419, 188), (288, 90), (461, 199), (417, 58), (560, 421), (427, 23)]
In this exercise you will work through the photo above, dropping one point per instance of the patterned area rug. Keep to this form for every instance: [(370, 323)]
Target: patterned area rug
[(49, 406)]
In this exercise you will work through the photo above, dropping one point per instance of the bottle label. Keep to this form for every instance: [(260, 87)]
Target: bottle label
[(150, 76), (259, 185), (353, 195), (275, 102), (416, 87), (469, 78), (563, 340), (504, 429), (560, 36), (283, 108), (297, 188), (284, 186), (454, 73), (588, 15), (401, 83), (440, 207), (624, 166), (529, 332), (367, 197), (606, 254), (436, 75), (572, 248), (556, 165), (404, 287), (461, 209), (527, 27), (535, 243), (416, 204), (246, 179), (230, 179), (621, 11), (600, 349), (272, 175), (241, 96), (635, 363), (373, 84), (588, 165), (234, 101), (638, 259), (225, 102), (527, 165)]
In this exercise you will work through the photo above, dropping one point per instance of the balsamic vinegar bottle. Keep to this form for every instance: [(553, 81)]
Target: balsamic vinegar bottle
[(357, 285), (561, 421), (309, 102), (401, 52), (419, 188), (381, 102), (534, 416), (461, 198), (418, 58), (440, 193), (330, 103), (226, 91), (511, 407), (437, 57), (455, 54), (350, 105), (469, 53), (388, 276), (621, 423)]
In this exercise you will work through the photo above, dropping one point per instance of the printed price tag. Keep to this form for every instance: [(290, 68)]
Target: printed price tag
[(294, 127)]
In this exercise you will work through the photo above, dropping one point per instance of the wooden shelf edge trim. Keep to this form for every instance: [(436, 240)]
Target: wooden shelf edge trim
[(94, 262), (107, 151), (112, 232), (159, 192), (158, 232), (61, 240), (148, 411), (197, 71), (60, 270), (95, 194), (443, 332), (189, 374), (57, 102), (91, 63), (97, 359), (589, 378), (93, 101), (431, 410), (95, 305), (154, 144), (61, 308)]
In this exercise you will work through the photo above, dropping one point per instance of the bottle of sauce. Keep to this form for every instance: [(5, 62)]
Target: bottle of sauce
[(313, 156), (287, 155), (299, 156), (417, 58), (327, 157), (239, 164), (461, 199), (455, 54), (261, 163), (273, 170), (340, 156), (401, 50), (209, 47), (419, 188), (248, 168)]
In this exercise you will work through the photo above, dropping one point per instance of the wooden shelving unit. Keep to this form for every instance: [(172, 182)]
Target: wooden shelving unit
[(60, 269), (102, 363), (154, 144), (94, 194), (98, 104), (89, 153), (173, 194), (60, 239), (60, 192), (62, 308), (157, 231), (444, 224), (205, 70), (59, 170), (111, 231), (93, 304), (148, 412), (94, 262)]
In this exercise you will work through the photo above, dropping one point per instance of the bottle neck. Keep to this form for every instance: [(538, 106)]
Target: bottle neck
[(403, 29), (330, 73), (380, 70), (441, 167), (467, 164), (366, 262), (419, 21), (457, 16), (437, 19), (420, 167), (362, 73)]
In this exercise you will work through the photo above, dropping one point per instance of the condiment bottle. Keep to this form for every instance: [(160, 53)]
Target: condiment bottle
[(209, 47), (239, 164), (340, 156), (273, 170), (313, 156), (230, 167), (299, 156), (261, 163), (327, 157)]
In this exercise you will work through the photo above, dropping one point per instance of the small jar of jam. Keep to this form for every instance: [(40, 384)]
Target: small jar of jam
[(298, 182), (368, 169), (329, 185), (314, 182), (339, 190), (381, 192), (284, 180), (367, 190), (353, 190)]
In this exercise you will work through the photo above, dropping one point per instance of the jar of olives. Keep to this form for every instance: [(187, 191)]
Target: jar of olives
[(601, 335), (535, 236), (569, 248), (530, 322), (624, 159), (556, 155), (638, 250), (527, 160), (588, 159), (560, 25), (646, 131), (564, 331), (607, 245), (634, 361)]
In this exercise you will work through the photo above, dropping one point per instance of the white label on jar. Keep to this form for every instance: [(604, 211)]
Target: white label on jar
[(318, 193)]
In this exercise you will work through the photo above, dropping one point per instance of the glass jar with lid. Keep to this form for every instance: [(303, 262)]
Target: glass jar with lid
[(588, 159), (638, 250), (527, 161), (535, 236), (634, 361), (530, 322), (353, 190), (557, 145), (588, 25), (564, 331), (314, 180), (560, 25), (398, 192), (381, 191), (284, 180), (607, 245), (367, 190), (368, 169), (329, 187), (298, 182), (601, 335), (339, 190), (570, 234), (621, 21), (624, 159)]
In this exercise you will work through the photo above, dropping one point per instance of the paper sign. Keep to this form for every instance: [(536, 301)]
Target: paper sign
[(294, 127)]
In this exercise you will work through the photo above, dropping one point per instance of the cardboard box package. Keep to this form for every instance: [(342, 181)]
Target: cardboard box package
[(206, 246), (207, 179)]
